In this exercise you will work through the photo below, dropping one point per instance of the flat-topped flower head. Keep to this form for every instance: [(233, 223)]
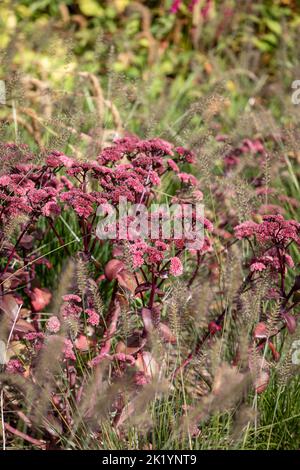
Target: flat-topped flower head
[(176, 268), (53, 324)]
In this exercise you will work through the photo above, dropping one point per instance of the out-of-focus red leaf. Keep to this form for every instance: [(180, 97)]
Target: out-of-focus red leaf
[(164, 330), (40, 298), (100, 278), (81, 343), (27, 241), (11, 281), (275, 353), (147, 319), (22, 326), (261, 381), (127, 280), (260, 370), (291, 322), (113, 268), (147, 364), (44, 261), (9, 306), (261, 331), (117, 251), (166, 333)]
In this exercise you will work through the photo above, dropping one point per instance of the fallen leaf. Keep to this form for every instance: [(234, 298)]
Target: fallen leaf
[(10, 306), (22, 326), (166, 333), (147, 364), (113, 268), (261, 331), (147, 319), (291, 322), (127, 280)]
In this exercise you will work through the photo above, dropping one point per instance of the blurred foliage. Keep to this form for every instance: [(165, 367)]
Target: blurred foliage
[(153, 60), (147, 39)]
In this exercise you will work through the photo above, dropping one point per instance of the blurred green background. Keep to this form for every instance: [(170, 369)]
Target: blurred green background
[(248, 49)]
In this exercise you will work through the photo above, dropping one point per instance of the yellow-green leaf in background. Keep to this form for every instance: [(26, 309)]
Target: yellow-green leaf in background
[(263, 46), (271, 38), (90, 8), (121, 5), (144, 42), (274, 26)]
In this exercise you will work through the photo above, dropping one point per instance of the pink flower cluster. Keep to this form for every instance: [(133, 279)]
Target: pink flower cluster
[(14, 366), (144, 253), (254, 147), (273, 236), (131, 168), (71, 307), (176, 268), (68, 350), (93, 317), (273, 229), (53, 324)]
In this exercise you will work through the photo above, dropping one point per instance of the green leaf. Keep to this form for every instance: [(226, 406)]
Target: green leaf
[(271, 38), (262, 45), (274, 26)]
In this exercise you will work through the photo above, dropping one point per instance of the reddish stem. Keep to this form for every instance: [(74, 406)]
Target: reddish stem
[(22, 435), (195, 271), (14, 249), (115, 311), (61, 241)]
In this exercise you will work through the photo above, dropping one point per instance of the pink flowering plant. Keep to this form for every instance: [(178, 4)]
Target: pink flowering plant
[(115, 268), (35, 195), (271, 244)]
